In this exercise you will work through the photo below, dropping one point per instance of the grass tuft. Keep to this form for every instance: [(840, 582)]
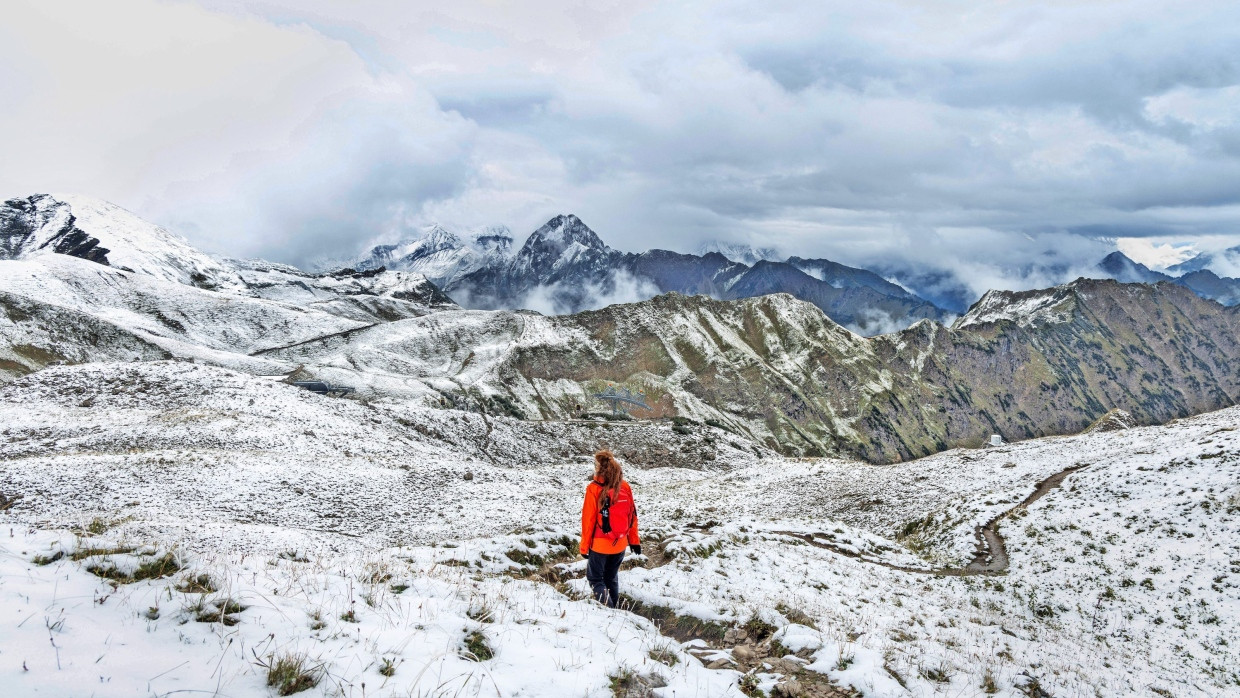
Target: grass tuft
[(387, 667), (218, 611), (627, 683), (84, 553), (291, 673), (155, 568), (989, 686), (199, 584), (43, 560), (758, 629), (664, 655), (481, 612), (749, 686), (937, 674), (477, 648)]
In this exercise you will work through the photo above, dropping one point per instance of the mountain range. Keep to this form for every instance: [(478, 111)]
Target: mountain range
[(565, 267), (1193, 274), (85, 281)]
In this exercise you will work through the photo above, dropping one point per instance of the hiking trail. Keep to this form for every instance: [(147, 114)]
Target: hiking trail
[(990, 556)]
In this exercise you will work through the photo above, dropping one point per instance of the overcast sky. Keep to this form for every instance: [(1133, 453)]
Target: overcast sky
[(971, 135)]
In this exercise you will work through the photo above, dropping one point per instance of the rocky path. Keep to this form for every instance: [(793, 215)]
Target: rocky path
[(991, 555), (748, 647)]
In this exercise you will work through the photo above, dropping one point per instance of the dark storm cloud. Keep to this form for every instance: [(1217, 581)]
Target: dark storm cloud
[(974, 138)]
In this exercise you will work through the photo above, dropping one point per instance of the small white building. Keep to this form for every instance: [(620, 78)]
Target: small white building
[(996, 440)]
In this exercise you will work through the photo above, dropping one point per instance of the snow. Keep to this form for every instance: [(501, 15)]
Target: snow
[(142, 247), (1026, 308), (184, 320), (73, 632), (297, 503)]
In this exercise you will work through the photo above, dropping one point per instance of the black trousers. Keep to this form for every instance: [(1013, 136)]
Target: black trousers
[(603, 574)]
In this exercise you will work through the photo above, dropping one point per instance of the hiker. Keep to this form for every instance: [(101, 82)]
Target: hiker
[(608, 526)]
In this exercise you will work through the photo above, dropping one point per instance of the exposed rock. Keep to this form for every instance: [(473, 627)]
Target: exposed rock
[(1115, 420), (744, 653)]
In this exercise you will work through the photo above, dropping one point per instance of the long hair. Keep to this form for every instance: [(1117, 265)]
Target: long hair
[(607, 473)]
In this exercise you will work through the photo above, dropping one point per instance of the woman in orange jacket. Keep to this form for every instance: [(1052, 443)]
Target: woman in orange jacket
[(608, 526)]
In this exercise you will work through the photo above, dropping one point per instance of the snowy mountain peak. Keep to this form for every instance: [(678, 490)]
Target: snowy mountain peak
[(1224, 263), (101, 232), (1123, 268), (439, 236), (743, 254), (562, 231)]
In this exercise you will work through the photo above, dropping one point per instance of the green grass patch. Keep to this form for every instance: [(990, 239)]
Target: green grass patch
[(477, 647)]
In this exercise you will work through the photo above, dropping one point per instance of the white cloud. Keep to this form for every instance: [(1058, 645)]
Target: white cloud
[(857, 131), (560, 298), (1154, 254)]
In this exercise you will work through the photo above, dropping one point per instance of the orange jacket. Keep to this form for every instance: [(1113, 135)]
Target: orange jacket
[(589, 520)]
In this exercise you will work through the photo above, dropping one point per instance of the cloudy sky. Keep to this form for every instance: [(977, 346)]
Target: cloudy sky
[(978, 136)]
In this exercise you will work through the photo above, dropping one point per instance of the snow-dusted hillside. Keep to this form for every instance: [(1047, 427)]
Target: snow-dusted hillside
[(80, 226), (371, 537), (119, 287)]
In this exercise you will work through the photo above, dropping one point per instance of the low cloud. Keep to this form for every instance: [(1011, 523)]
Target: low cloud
[(871, 322), (1154, 254), (562, 299)]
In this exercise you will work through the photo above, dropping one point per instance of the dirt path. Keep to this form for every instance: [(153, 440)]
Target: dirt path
[(343, 333), (989, 558), (748, 647)]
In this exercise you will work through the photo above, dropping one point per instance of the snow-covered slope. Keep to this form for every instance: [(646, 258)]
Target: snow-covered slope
[(349, 533), (1024, 308), (50, 299), (105, 233), (182, 320), (43, 227), (772, 368)]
